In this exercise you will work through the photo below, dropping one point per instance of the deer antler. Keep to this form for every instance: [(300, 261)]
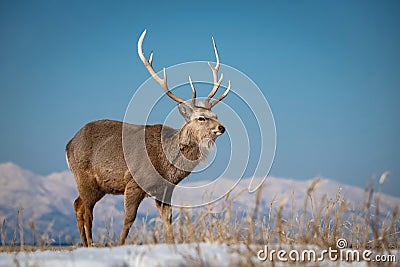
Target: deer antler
[(217, 82), (194, 92), (164, 85), (161, 82)]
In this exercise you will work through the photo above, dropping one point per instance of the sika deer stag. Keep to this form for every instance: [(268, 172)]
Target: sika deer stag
[(157, 156)]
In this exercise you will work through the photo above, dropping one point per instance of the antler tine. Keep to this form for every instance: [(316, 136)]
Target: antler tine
[(151, 58), (217, 82), (216, 53), (221, 96), (148, 65), (193, 91)]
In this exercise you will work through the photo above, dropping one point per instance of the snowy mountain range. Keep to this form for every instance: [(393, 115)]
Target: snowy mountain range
[(47, 201)]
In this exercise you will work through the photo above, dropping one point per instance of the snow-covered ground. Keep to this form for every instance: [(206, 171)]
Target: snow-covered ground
[(203, 254)]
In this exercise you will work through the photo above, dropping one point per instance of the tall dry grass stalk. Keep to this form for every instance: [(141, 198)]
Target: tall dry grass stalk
[(3, 232), (21, 229)]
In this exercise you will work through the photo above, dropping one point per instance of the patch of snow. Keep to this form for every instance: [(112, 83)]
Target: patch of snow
[(202, 254)]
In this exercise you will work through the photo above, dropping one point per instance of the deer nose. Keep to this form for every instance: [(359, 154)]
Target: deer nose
[(221, 128)]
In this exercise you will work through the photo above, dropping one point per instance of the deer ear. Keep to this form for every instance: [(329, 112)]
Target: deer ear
[(186, 111)]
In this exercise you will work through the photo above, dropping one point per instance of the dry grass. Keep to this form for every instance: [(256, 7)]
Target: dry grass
[(321, 222)]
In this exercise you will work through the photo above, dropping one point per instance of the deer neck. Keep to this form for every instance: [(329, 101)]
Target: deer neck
[(182, 151), (189, 146)]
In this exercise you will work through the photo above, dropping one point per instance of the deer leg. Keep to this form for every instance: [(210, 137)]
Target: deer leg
[(79, 213), (133, 196), (79, 205), (88, 220), (88, 203), (166, 215)]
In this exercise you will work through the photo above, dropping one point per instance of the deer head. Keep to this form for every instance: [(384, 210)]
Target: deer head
[(201, 124)]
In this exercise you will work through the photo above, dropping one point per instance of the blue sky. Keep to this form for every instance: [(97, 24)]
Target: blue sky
[(330, 71)]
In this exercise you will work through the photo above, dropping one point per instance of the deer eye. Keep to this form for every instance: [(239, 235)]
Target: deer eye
[(201, 118)]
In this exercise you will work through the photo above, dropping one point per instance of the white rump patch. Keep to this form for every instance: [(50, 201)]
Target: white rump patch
[(66, 159)]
